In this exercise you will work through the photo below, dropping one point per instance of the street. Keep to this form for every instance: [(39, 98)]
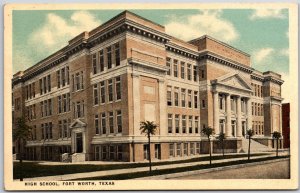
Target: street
[(276, 170)]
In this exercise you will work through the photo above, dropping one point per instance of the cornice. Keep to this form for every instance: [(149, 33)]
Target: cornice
[(214, 57), (182, 51)]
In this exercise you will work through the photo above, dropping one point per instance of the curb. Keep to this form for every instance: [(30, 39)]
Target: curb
[(188, 173)]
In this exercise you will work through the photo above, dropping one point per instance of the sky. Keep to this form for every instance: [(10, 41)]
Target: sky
[(262, 33)]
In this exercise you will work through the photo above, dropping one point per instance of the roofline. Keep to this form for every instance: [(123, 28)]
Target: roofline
[(223, 43)]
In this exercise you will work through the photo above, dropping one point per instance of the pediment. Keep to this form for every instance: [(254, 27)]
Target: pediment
[(233, 80), (77, 123)]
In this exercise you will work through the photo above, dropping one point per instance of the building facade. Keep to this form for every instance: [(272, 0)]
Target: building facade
[(286, 125), (87, 100)]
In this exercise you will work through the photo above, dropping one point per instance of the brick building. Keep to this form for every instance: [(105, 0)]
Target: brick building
[(286, 125), (89, 98)]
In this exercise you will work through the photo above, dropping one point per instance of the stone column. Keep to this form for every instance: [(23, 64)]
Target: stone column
[(83, 142), (136, 103), (239, 118), (249, 114), (228, 114), (216, 112), (163, 128)]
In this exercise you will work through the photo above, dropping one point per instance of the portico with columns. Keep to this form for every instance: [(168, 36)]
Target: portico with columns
[(231, 105)]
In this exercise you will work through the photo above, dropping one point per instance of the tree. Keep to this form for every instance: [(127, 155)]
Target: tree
[(250, 133), (148, 128), (277, 136), (208, 131), (221, 139), (21, 133)]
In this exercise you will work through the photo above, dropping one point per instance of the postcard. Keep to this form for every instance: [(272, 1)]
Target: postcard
[(188, 96)]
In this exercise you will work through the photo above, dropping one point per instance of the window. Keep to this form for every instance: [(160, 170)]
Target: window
[(63, 77), (197, 148), (120, 152), (192, 149), (111, 122), (185, 149), (41, 86), (196, 124), (58, 78), (33, 89), (96, 94), (189, 99), (183, 124), (175, 66), (195, 73), (77, 81), (109, 62), (60, 129), (117, 54), (96, 122), (97, 153), (183, 97), (42, 108), (42, 129), (171, 150), (79, 109), (104, 152), (177, 123), (49, 83), (103, 123), (170, 123), (202, 74), (176, 96), (119, 121), (190, 124), (65, 129), (182, 70), (50, 106), (178, 149), (195, 99), (168, 66), (110, 90), (94, 63), (203, 104), (189, 72), (169, 96), (64, 103), (45, 84), (101, 60), (102, 90), (118, 88), (68, 75), (146, 155)]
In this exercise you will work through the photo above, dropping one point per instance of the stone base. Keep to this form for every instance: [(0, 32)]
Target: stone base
[(233, 145), (78, 157)]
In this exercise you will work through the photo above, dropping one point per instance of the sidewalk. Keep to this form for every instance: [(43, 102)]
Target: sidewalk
[(124, 171)]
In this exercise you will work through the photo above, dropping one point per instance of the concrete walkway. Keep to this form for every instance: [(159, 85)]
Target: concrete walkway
[(133, 170)]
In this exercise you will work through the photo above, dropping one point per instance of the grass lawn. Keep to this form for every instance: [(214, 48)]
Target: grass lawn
[(33, 169), (176, 170)]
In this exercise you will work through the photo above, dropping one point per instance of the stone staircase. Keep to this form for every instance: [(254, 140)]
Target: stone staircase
[(254, 147)]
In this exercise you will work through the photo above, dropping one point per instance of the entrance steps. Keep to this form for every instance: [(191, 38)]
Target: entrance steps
[(254, 146)]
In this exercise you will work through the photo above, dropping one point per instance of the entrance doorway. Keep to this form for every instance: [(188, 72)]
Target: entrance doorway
[(79, 144)]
